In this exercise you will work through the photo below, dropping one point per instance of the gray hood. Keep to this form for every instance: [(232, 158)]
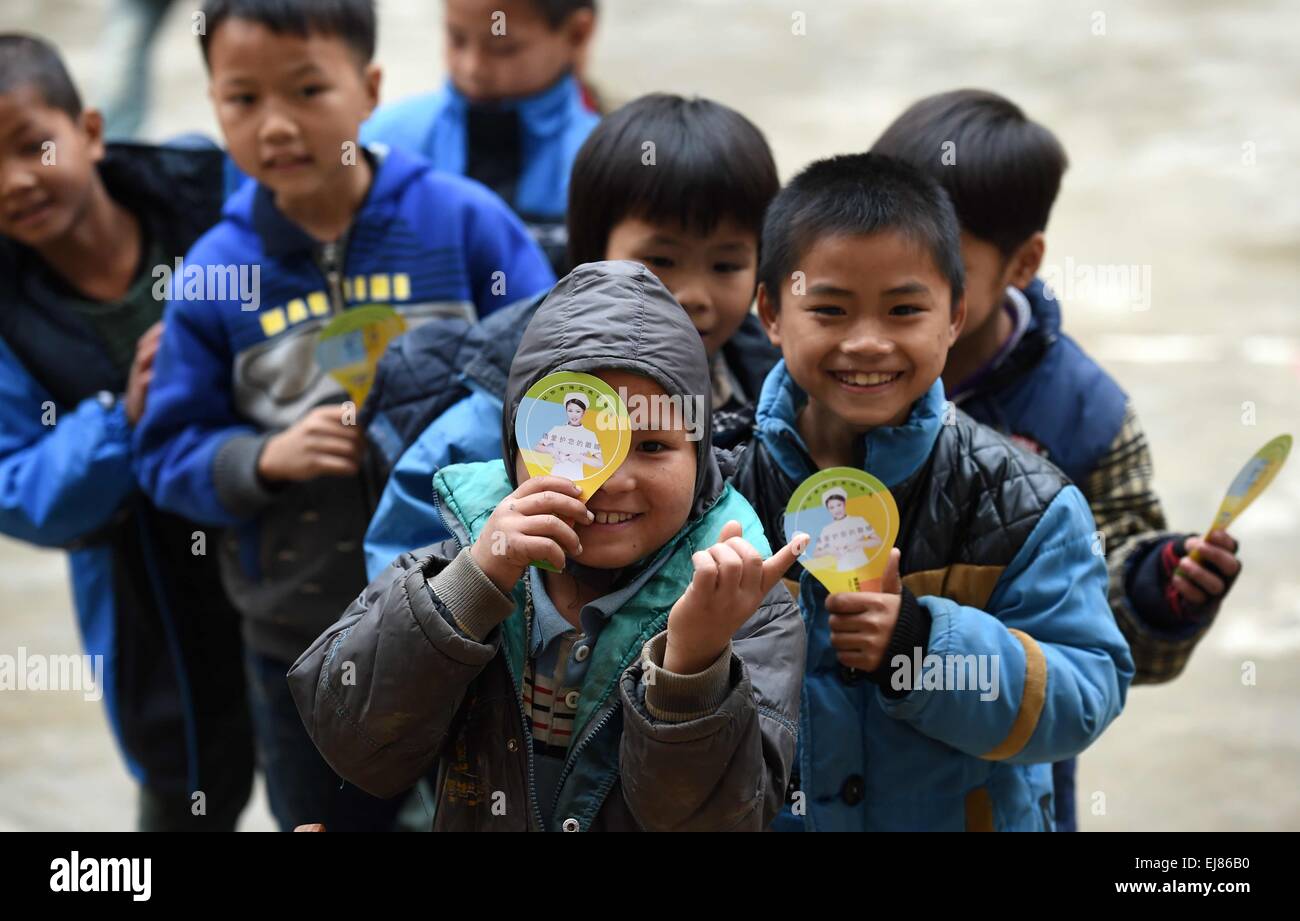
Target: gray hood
[(616, 315)]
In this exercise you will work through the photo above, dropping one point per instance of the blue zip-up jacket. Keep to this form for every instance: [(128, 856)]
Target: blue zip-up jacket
[(523, 149), (228, 377), (997, 562), (173, 680)]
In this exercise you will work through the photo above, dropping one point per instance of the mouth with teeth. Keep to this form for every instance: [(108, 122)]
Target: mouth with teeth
[(287, 162), (865, 381), (613, 518), (30, 214)]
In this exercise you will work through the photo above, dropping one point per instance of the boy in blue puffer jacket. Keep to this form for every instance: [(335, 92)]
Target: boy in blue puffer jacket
[(244, 428), (512, 113), (84, 229), (939, 701), (1015, 370)]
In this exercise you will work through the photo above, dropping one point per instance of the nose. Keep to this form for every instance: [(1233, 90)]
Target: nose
[(621, 483), (696, 298), (15, 177), (276, 128), (866, 340)]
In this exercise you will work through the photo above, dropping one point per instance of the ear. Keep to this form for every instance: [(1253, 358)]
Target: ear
[(957, 321), (91, 123), (769, 316), (1026, 261), (373, 76), (578, 30)]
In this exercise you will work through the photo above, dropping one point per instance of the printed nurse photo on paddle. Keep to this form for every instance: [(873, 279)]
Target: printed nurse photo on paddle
[(847, 537), (573, 445)]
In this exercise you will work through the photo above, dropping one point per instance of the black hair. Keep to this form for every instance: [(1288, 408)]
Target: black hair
[(1002, 170), (29, 61), (352, 21), (556, 12), (858, 194), (710, 163), (575, 402)]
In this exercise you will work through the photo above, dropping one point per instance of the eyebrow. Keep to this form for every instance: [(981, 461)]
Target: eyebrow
[(824, 289), (911, 287)]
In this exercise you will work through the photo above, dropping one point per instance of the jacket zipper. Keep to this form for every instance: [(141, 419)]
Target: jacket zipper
[(534, 809), (331, 267), (606, 714)]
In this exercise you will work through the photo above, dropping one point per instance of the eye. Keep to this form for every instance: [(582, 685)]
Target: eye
[(827, 310), (241, 99), (658, 262), (905, 310), (314, 89), (652, 447), (728, 267)]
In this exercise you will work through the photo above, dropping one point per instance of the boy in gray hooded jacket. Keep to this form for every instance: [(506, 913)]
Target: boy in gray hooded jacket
[(664, 645)]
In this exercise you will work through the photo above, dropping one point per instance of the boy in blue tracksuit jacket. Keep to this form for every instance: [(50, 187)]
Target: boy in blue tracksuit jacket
[(722, 177), (244, 428), (1014, 369), (512, 113), (78, 329), (939, 700)]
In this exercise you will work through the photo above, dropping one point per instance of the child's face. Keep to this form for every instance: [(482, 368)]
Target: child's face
[(47, 167), (290, 107), (649, 497), (866, 331), (711, 276), (504, 49)]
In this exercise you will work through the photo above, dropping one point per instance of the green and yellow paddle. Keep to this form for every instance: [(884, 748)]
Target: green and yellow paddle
[(1249, 483)]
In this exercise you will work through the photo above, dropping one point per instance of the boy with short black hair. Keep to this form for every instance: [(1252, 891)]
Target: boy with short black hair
[(244, 428), (1014, 369), (647, 680), (85, 227), (513, 111), (693, 218), (862, 287)]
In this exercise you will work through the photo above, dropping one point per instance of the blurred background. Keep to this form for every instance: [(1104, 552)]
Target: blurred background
[(1182, 123)]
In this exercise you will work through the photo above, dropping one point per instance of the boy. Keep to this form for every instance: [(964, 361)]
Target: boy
[(244, 428), (652, 683), (1013, 369), (861, 286), (512, 113), (693, 219), (83, 226)]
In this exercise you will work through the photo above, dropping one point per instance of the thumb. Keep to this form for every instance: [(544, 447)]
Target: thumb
[(729, 530), (891, 584), (781, 561)]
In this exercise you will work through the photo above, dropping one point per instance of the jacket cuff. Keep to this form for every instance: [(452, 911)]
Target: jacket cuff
[(674, 698), (911, 630), (1151, 594), (472, 600), (234, 476)]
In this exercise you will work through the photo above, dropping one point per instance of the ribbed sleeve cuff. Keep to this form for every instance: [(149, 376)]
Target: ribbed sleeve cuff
[(475, 603), (675, 698), (911, 630), (234, 476)]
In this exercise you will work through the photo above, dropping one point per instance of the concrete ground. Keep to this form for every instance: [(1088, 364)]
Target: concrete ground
[(1182, 129)]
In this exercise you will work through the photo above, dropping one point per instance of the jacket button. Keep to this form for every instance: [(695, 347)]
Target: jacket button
[(581, 652), (570, 825), (571, 700), (512, 745), (851, 676), (852, 790)]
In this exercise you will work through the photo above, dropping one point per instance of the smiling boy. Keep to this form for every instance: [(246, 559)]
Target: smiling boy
[(862, 288), (244, 428), (650, 683)]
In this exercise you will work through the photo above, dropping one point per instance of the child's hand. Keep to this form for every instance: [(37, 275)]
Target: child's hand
[(730, 582), (319, 444), (1194, 580), (862, 623), (141, 375), (535, 522)]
